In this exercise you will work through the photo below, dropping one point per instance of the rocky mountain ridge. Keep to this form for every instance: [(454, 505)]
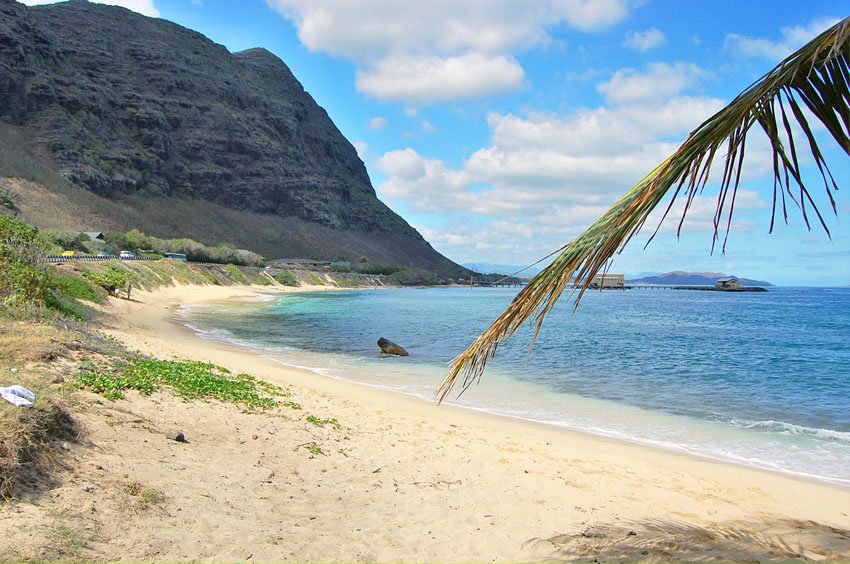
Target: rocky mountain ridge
[(142, 112), (681, 278)]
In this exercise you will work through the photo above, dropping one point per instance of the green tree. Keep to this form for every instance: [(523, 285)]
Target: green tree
[(814, 78), (23, 268)]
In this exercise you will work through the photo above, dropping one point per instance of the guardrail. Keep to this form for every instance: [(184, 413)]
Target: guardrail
[(91, 258)]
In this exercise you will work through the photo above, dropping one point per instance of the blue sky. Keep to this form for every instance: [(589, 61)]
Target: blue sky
[(501, 128)]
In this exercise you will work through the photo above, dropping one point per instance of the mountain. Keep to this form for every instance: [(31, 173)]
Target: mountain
[(113, 120), (679, 278)]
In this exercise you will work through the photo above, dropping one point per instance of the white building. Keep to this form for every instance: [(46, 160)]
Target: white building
[(608, 281), (728, 283)]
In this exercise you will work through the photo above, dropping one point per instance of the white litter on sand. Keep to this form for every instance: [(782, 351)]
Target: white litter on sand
[(18, 396)]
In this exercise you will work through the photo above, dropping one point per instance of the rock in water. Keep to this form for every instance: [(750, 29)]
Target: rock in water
[(388, 347)]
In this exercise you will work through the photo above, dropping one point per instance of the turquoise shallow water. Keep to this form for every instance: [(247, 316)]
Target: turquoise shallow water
[(761, 379)]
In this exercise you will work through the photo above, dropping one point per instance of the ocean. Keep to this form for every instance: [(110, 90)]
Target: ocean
[(760, 379)]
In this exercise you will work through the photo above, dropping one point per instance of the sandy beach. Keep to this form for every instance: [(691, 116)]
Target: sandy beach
[(404, 479)]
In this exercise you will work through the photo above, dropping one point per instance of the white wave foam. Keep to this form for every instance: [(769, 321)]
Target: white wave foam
[(791, 429)]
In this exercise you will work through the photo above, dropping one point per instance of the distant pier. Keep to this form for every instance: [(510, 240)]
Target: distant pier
[(498, 284), (697, 288)]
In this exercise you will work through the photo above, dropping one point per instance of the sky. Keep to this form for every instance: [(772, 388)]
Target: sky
[(501, 129)]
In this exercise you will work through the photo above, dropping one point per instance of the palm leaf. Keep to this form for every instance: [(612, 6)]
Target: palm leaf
[(816, 78)]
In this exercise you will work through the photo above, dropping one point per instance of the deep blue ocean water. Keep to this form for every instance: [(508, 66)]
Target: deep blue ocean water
[(757, 378)]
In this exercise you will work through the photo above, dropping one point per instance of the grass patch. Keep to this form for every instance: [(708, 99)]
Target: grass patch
[(188, 378), (148, 495), (235, 273), (260, 280), (210, 278), (313, 448), (322, 422), (286, 278), (77, 287), (69, 307), (151, 496), (71, 539), (110, 278), (347, 283)]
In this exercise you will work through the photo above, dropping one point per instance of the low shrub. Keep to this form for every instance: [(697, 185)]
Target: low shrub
[(77, 287), (23, 270), (235, 273), (110, 278), (286, 278), (188, 378)]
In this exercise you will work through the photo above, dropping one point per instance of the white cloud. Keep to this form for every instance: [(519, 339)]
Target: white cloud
[(702, 214), (542, 162), (775, 50), (590, 15), (658, 83), (424, 128), (643, 41), (392, 46), (144, 7), (370, 29), (548, 175), (426, 184), (425, 80), (377, 122)]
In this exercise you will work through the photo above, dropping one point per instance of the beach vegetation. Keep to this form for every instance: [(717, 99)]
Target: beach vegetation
[(344, 282), (189, 379), (24, 278), (378, 268), (211, 278), (148, 495), (322, 422), (151, 496), (286, 278), (69, 307), (77, 287), (110, 278), (313, 448), (70, 539), (813, 82), (235, 273)]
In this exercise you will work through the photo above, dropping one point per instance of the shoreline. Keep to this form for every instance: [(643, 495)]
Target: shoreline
[(484, 412), (614, 435), (625, 482)]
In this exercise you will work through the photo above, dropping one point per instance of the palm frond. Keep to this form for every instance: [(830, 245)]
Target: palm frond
[(816, 78)]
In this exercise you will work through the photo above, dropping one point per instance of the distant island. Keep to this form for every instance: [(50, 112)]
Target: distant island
[(680, 278)]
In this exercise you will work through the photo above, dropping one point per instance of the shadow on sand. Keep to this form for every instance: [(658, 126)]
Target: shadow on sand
[(670, 540)]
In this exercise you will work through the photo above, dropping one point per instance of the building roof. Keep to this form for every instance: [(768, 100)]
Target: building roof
[(728, 279)]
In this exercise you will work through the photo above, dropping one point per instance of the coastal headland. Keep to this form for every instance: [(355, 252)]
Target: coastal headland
[(363, 474)]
